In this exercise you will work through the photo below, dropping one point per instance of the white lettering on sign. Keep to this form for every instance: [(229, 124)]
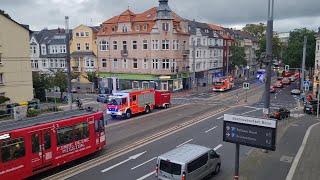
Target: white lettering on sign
[(250, 120), (12, 169), (75, 146)]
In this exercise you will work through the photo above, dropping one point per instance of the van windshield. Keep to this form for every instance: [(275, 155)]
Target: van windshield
[(170, 167), (115, 101), (218, 83)]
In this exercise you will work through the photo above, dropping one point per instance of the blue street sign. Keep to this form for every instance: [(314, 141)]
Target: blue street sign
[(306, 83)]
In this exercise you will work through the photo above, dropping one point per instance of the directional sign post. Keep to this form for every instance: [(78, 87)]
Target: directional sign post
[(246, 87), (249, 131)]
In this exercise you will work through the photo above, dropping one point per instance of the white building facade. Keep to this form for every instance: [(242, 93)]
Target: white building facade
[(316, 77)]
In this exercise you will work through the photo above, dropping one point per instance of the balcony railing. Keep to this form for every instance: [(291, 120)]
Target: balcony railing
[(185, 52)]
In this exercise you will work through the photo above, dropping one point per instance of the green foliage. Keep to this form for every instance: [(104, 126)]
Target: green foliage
[(92, 76), (256, 30), (238, 56), (75, 75), (41, 82), (4, 99), (277, 46), (294, 52), (33, 112), (60, 80)]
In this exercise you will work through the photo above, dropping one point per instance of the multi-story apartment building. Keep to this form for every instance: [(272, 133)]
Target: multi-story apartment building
[(144, 50), (208, 62), (83, 49), (15, 69), (48, 50), (316, 76)]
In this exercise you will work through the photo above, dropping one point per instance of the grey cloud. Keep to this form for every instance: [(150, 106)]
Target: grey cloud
[(50, 13)]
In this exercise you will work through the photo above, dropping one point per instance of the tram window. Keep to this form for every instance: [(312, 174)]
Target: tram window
[(12, 149), (64, 135), (35, 142), (99, 125), (47, 140), (81, 131)]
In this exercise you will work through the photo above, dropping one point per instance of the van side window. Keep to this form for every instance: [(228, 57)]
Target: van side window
[(134, 98), (12, 149), (124, 100), (197, 163)]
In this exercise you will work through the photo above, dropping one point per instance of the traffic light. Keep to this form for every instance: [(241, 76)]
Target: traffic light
[(286, 68)]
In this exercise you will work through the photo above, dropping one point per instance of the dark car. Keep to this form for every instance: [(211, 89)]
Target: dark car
[(310, 107), (103, 98), (281, 113)]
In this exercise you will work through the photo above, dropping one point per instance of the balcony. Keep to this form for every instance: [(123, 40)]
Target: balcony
[(185, 52), (124, 53)]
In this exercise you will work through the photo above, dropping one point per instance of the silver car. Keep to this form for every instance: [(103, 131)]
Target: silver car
[(188, 162)]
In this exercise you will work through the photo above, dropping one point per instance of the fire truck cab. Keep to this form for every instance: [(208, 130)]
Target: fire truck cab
[(129, 102), (223, 84)]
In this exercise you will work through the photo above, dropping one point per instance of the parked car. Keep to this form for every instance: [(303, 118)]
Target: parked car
[(295, 92), (280, 114), (188, 161), (285, 81), (272, 89), (310, 107), (103, 98)]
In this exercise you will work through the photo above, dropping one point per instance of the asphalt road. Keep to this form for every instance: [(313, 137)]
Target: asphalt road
[(207, 133)]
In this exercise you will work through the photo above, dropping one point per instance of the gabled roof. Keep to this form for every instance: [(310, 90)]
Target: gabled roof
[(8, 17), (216, 27), (205, 29)]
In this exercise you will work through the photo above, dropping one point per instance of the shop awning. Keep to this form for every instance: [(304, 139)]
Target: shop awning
[(127, 76)]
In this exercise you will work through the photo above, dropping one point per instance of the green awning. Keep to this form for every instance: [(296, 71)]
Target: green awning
[(126, 76)]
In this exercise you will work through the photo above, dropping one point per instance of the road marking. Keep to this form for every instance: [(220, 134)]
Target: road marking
[(147, 175), (299, 154), (211, 129), (217, 147), (220, 117), (250, 111), (252, 107), (185, 142), (129, 159), (143, 163)]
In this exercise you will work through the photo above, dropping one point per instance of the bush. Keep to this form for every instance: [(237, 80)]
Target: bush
[(4, 99), (32, 112)]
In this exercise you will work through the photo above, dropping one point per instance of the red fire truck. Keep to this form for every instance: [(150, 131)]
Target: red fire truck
[(128, 102), (34, 145), (223, 84)]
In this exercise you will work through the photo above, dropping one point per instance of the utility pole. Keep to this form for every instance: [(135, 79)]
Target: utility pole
[(193, 64), (227, 69), (266, 109), (68, 61), (303, 63)]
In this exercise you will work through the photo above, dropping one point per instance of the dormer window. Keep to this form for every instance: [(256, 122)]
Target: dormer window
[(145, 27), (124, 29), (165, 26)]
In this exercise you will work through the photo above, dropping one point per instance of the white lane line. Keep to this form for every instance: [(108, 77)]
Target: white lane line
[(220, 117), (252, 107), (250, 111), (299, 154), (147, 175), (143, 163), (185, 142), (211, 129), (217, 147)]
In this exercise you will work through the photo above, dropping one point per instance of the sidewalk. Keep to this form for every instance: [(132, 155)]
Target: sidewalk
[(309, 165)]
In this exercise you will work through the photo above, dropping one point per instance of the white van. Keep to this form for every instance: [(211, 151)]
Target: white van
[(188, 162)]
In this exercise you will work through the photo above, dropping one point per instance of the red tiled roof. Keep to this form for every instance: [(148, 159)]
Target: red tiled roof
[(215, 27)]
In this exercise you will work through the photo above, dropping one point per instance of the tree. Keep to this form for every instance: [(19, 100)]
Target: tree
[(60, 80), (277, 46), (92, 76), (238, 56), (41, 82), (294, 52), (256, 30)]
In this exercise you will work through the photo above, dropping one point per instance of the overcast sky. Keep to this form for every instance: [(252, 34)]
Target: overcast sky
[(289, 14)]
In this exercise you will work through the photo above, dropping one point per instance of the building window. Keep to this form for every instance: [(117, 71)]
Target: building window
[(165, 63), (77, 34), (318, 47), (165, 44), (124, 45), (135, 85), (145, 44), (145, 85), (43, 50), (51, 63), (103, 45), (145, 27), (145, 64), (135, 64), (104, 63), (175, 45), (115, 45), (155, 64), (36, 64), (12, 149), (44, 63), (165, 26), (82, 34), (56, 63), (155, 44), (137, 27), (197, 54), (1, 78), (87, 34), (78, 47), (87, 46), (124, 29), (134, 44), (62, 63), (173, 65), (115, 63), (125, 64)]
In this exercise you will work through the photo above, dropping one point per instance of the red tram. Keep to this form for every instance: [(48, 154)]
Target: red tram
[(31, 146)]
